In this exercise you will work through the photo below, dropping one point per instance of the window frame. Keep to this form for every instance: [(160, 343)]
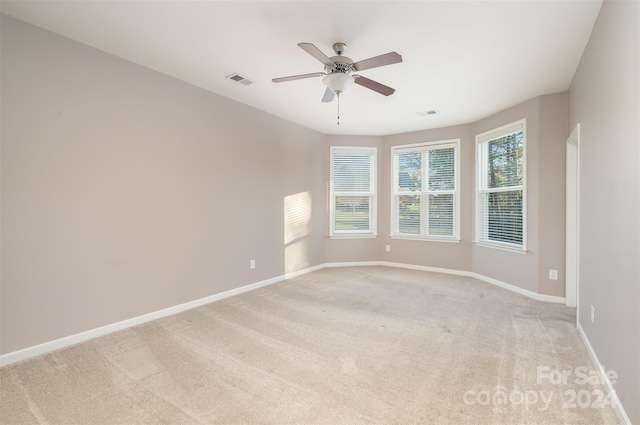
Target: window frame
[(373, 193), (481, 139), (421, 147)]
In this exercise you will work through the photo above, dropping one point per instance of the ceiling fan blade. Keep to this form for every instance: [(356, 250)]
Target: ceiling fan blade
[(297, 77), (328, 96), (374, 85), (382, 60), (316, 53)]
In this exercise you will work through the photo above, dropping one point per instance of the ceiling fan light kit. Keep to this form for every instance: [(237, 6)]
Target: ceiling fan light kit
[(338, 82), (337, 75)]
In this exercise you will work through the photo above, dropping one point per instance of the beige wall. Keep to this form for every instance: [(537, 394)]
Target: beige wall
[(547, 124), (515, 268), (455, 256), (547, 131), (604, 101), (553, 132), (125, 191)]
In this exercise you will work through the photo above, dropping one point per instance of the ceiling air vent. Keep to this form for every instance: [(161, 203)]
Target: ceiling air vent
[(240, 79)]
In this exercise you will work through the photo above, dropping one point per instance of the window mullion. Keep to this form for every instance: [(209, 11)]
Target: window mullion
[(424, 197)]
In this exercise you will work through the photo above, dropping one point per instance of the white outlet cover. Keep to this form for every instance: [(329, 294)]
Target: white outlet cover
[(553, 274), (388, 248)]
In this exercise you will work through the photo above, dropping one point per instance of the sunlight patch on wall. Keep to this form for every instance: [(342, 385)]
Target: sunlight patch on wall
[(297, 226)]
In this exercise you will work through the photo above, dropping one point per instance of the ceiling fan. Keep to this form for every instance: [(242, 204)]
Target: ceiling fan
[(338, 71)]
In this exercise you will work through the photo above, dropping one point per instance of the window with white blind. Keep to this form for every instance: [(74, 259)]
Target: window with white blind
[(425, 199), (501, 187), (353, 192)]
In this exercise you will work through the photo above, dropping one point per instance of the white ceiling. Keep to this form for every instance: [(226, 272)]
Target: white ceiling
[(466, 59)]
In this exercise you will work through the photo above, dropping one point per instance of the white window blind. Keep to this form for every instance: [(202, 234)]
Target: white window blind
[(353, 191), (425, 191), (501, 195)]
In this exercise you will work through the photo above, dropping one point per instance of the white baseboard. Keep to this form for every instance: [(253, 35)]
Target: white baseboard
[(57, 344), (504, 285), (426, 268), (353, 264), (525, 292), (297, 273), (67, 341), (401, 266), (622, 414)]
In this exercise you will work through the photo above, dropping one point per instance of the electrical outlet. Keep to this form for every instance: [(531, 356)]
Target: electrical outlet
[(252, 264), (593, 314), (553, 274), (388, 248)]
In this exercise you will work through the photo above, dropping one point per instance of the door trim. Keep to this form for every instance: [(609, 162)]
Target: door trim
[(572, 218)]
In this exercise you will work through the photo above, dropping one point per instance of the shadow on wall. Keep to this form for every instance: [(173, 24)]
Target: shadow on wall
[(297, 226)]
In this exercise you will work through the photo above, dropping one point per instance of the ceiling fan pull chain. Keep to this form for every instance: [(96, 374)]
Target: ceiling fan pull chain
[(338, 109)]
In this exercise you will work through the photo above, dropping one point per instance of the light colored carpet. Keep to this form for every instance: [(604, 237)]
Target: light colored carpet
[(358, 345)]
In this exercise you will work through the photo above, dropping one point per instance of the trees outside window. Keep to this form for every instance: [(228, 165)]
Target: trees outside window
[(500, 197), (425, 190)]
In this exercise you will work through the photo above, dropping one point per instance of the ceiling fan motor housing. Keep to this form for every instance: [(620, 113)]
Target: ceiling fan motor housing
[(342, 64)]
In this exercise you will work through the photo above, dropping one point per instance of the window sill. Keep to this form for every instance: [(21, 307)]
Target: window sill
[(502, 247), (354, 236), (425, 239)]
